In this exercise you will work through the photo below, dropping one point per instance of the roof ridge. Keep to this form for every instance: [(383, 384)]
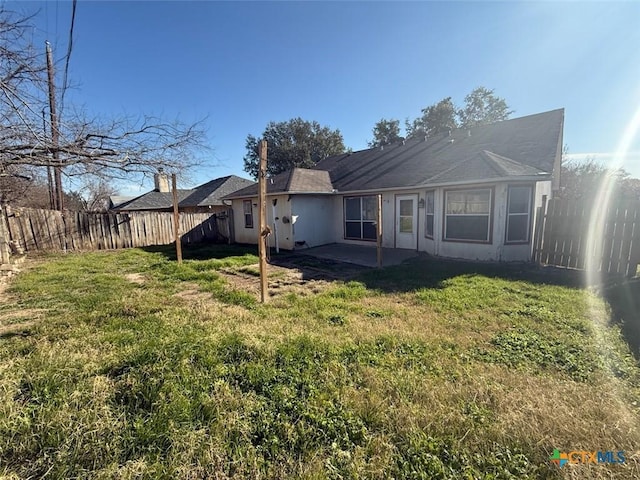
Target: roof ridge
[(290, 178), (493, 157), (490, 160), (444, 172)]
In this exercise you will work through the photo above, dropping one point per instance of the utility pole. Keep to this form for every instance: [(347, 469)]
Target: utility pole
[(55, 134), (176, 219), (52, 201), (262, 217)]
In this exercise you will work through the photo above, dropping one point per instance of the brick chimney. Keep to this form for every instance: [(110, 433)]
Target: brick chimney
[(161, 181)]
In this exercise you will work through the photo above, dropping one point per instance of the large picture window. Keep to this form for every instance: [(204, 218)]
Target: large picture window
[(518, 214), (360, 218), (429, 211), (468, 215), (248, 214)]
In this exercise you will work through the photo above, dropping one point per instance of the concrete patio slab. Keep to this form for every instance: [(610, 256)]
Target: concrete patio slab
[(358, 254)]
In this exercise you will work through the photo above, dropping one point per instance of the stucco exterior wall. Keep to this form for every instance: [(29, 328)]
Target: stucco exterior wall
[(275, 216), (243, 234), (250, 235), (319, 220), (313, 216), (498, 249)]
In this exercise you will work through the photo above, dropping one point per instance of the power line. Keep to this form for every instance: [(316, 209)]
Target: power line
[(69, 49)]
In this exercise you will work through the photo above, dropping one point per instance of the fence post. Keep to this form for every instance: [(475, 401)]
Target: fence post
[(537, 239), (4, 237)]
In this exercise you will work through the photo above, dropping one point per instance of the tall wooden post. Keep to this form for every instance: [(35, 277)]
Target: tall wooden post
[(262, 217), (176, 218), (55, 134), (379, 231), (4, 237)]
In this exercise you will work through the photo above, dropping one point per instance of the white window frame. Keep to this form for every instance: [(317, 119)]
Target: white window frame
[(361, 220), (489, 215), (431, 213), (248, 215), (520, 214)]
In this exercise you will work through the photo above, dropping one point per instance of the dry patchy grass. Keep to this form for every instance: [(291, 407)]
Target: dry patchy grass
[(136, 367)]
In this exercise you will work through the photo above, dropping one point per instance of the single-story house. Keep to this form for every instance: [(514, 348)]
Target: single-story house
[(469, 193), (203, 198)]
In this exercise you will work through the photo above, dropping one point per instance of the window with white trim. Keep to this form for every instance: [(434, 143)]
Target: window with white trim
[(518, 213), (468, 215), (360, 218), (248, 214), (429, 204)]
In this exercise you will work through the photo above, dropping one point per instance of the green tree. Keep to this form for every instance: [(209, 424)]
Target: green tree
[(437, 118), (385, 132), (582, 180), (294, 143), (482, 106)]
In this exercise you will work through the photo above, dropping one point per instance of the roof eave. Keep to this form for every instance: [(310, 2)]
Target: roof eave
[(271, 194), (522, 178)]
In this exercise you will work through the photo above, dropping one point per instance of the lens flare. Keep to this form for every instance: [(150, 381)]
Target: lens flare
[(594, 271), (601, 205)]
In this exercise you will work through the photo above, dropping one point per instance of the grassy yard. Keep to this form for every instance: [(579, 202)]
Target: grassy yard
[(126, 365)]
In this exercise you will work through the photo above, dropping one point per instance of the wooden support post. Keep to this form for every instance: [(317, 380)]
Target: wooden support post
[(4, 237), (379, 231), (537, 234), (176, 219), (262, 217)]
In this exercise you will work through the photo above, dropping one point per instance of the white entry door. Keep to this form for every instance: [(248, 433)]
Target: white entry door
[(407, 221)]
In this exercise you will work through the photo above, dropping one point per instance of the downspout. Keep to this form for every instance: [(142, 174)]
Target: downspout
[(275, 224)]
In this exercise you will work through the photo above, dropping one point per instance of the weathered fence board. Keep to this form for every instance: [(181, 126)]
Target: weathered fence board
[(563, 236), (49, 230)]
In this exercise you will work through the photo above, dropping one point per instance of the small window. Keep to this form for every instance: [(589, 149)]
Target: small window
[(360, 217), (518, 214), (468, 215), (248, 214), (429, 209)]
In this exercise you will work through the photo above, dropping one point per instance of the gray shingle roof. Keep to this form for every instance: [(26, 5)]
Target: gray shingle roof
[(296, 180), (485, 166), (117, 200), (207, 194), (517, 147), (211, 193), (521, 147), (153, 201)]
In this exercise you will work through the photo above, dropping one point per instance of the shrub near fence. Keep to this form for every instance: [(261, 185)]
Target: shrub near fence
[(51, 230), (562, 236)]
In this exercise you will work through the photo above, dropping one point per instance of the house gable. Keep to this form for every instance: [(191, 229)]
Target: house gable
[(530, 141)]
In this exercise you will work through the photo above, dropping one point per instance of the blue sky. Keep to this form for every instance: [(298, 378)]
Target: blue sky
[(348, 64)]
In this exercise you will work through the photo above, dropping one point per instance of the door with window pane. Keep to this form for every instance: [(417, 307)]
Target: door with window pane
[(406, 221)]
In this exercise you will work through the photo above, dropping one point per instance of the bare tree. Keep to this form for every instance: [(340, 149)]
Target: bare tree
[(119, 148)]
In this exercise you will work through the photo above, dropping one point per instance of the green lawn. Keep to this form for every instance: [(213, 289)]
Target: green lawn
[(126, 365)]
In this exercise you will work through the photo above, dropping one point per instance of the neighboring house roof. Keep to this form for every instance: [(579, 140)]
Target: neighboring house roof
[(211, 193), (153, 200), (518, 148), (296, 180), (205, 195), (116, 200)]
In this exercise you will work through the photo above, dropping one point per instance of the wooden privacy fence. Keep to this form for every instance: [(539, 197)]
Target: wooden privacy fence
[(51, 230), (562, 236)]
